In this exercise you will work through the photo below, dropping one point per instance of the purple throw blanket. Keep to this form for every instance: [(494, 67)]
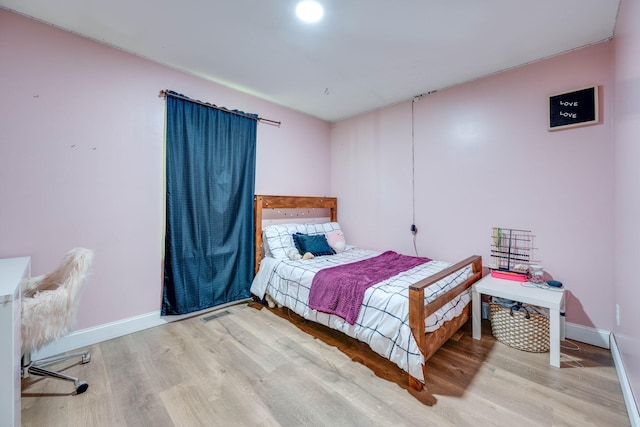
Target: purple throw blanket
[(340, 290)]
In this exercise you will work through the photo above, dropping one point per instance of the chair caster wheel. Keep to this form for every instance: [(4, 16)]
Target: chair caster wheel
[(82, 387)]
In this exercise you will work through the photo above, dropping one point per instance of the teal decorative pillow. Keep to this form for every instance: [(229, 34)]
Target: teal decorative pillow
[(317, 244)]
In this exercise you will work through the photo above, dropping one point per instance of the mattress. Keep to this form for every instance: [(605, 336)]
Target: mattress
[(383, 321)]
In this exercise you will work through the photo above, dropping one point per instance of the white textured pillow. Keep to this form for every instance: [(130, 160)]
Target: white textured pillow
[(278, 239), (324, 228)]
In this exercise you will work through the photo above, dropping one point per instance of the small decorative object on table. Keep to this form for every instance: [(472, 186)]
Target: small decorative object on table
[(536, 274)]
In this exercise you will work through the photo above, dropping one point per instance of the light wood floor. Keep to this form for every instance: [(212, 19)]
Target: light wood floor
[(251, 367)]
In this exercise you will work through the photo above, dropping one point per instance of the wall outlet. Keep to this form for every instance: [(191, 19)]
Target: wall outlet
[(618, 314)]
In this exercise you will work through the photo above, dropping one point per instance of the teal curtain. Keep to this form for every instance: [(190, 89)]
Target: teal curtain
[(210, 175)]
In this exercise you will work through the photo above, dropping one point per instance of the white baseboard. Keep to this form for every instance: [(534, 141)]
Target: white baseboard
[(605, 339), (90, 336), (629, 400), (597, 337)]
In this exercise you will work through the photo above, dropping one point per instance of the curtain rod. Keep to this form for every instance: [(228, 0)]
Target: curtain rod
[(164, 93)]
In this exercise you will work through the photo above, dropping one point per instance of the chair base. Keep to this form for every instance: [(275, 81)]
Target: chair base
[(36, 367)]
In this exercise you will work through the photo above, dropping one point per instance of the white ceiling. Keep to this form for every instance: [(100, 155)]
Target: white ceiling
[(363, 55)]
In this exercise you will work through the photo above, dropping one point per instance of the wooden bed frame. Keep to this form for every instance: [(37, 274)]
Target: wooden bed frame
[(428, 342)]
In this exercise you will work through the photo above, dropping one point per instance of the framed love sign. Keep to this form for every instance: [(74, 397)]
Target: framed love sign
[(575, 108)]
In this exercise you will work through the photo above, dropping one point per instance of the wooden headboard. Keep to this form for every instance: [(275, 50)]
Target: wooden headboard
[(288, 202)]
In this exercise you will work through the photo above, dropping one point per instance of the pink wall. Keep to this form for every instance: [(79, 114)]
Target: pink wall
[(81, 163), (626, 132), (484, 158), (81, 159)]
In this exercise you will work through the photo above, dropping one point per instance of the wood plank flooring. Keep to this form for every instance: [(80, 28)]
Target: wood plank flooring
[(252, 367)]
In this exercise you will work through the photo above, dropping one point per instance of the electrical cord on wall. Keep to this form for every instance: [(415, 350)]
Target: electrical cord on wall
[(414, 229), (413, 167)]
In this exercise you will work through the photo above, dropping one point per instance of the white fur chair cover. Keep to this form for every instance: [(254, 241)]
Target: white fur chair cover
[(49, 301)]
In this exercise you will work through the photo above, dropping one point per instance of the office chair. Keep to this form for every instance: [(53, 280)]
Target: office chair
[(49, 304)]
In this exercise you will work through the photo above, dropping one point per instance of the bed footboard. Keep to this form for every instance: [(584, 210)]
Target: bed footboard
[(418, 311)]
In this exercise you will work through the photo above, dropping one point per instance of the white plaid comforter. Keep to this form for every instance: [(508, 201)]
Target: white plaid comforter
[(383, 322)]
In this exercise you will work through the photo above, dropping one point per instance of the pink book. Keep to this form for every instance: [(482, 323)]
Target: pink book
[(517, 277)]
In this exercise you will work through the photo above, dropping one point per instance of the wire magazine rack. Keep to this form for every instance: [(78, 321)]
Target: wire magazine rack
[(511, 250)]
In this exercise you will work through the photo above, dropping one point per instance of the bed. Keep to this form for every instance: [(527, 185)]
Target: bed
[(404, 318)]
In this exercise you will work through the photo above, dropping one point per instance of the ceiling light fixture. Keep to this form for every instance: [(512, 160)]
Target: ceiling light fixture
[(309, 11)]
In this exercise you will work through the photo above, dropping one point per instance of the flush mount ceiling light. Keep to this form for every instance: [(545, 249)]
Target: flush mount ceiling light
[(309, 11)]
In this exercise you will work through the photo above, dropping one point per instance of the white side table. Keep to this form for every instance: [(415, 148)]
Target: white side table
[(12, 272), (553, 299)]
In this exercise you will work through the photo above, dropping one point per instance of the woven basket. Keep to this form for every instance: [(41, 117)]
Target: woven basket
[(517, 331)]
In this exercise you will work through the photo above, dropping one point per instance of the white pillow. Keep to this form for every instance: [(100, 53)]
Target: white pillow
[(324, 228), (278, 240)]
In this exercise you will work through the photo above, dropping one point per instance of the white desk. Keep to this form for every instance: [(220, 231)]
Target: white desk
[(553, 299), (12, 272)]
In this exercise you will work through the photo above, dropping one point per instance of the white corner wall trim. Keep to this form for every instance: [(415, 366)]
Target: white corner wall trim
[(585, 334), (629, 400), (90, 336)]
